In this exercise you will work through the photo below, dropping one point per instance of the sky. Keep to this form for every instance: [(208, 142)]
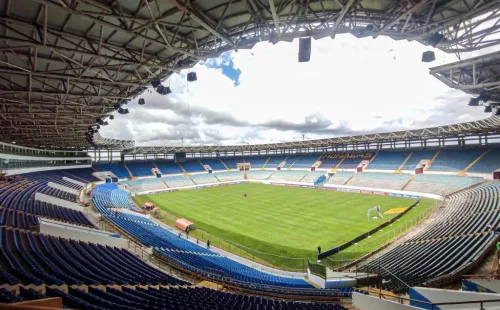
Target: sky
[(350, 86)]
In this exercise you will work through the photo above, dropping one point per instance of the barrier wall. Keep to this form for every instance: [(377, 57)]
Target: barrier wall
[(434, 295), (58, 201), (73, 181), (39, 169), (63, 188), (65, 230), (367, 302)]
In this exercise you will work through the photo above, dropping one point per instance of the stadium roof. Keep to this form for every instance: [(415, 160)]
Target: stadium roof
[(474, 76), (66, 63), (489, 125)]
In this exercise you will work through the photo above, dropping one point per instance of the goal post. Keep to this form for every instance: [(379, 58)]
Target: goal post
[(375, 209)]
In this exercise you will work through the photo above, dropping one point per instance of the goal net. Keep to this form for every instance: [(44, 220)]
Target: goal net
[(376, 210)]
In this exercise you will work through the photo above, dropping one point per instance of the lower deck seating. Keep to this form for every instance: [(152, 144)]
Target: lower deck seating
[(340, 178), (140, 168), (312, 176), (288, 175), (178, 180), (380, 180), (440, 184), (30, 258), (142, 185), (166, 298), (204, 178), (229, 176), (259, 174), (455, 239), (185, 253), (168, 166)]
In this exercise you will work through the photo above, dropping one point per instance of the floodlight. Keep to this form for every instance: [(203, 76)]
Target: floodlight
[(428, 56), (142, 101), (473, 102), (487, 109)]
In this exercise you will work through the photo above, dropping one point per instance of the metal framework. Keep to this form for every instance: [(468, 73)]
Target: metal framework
[(66, 63), (474, 76), (489, 126)]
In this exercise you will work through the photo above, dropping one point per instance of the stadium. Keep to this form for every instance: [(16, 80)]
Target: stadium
[(403, 219)]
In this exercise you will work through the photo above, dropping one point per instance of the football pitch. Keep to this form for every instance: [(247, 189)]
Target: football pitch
[(277, 223)]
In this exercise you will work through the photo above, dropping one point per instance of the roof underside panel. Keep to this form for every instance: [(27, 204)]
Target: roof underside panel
[(66, 63)]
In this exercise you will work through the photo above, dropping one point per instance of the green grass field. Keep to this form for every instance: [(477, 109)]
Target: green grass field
[(276, 222)]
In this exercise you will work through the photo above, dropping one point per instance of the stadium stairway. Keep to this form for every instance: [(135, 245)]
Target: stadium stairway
[(293, 162), (349, 180), (404, 162), (474, 162), (224, 164), (408, 183), (154, 164), (128, 170), (264, 165), (340, 163), (433, 159)]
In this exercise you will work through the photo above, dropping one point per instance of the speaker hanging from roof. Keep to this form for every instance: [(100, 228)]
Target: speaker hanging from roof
[(116, 106), (428, 56), (111, 117), (163, 90), (142, 101), (191, 77), (487, 109), (304, 49), (123, 111)]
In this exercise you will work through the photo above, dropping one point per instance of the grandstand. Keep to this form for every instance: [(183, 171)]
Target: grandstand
[(70, 67), (452, 243), (380, 180)]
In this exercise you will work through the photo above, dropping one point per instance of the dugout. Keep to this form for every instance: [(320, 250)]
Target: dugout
[(184, 224)]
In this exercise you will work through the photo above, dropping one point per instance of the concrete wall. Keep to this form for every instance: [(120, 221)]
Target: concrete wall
[(367, 302), (73, 181), (64, 188), (439, 295), (59, 229), (58, 201), (29, 170)]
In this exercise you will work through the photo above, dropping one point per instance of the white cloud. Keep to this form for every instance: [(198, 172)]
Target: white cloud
[(350, 86)]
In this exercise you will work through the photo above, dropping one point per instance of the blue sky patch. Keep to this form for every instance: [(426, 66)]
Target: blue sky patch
[(225, 62)]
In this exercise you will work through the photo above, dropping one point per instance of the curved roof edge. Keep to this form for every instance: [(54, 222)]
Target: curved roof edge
[(487, 125)]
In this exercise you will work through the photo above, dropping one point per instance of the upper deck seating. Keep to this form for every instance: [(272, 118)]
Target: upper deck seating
[(329, 163), (306, 161), (231, 162), (456, 238), (380, 180), (83, 175), (440, 184), (214, 163), (140, 168), (117, 169), (418, 156), (350, 163), (488, 163), (192, 166), (388, 160), (274, 161), (340, 177), (168, 166), (256, 161), (455, 160), (290, 160)]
